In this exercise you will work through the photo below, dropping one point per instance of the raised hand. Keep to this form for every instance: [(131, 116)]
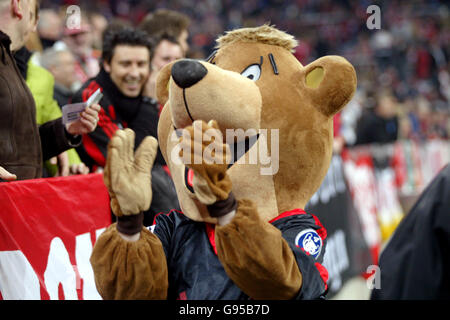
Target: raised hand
[(127, 175), (79, 168), (62, 162), (208, 156), (86, 123)]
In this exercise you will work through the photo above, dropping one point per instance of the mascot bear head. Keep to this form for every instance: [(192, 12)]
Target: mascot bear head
[(275, 113)]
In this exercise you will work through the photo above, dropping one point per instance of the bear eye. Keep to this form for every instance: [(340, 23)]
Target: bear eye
[(253, 72)]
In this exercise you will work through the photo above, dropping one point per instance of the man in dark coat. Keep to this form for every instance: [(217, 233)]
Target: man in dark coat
[(416, 262), (24, 145), (381, 124)]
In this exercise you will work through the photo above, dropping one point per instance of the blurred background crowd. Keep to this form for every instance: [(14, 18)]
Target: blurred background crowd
[(402, 68)]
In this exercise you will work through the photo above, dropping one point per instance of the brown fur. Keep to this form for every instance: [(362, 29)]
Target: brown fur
[(263, 266), (299, 102), (302, 114), (123, 270), (263, 34)]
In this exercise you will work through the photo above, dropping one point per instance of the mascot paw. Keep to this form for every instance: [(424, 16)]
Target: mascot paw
[(203, 151), (127, 175)]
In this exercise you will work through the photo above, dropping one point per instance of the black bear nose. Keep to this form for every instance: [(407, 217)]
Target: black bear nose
[(188, 72)]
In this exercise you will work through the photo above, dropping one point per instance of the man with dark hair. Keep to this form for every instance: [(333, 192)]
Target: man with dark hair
[(169, 22), (167, 49), (125, 67), (124, 70)]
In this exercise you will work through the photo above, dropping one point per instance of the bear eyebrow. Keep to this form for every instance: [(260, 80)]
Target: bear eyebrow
[(273, 63), (211, 57)]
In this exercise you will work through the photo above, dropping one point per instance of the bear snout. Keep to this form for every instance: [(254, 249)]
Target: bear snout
[(188, 72), (204, 91)]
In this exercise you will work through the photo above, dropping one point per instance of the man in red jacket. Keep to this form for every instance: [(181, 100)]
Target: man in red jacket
[(125, 69)]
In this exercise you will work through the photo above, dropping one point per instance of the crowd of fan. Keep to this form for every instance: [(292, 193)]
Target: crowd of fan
[(405, 64), (407, 59), (403, 68)]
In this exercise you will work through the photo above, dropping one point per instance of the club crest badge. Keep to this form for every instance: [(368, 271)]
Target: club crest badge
[(309, 241)]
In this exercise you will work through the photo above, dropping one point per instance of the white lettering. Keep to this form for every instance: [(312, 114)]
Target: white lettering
[(238, 148), (73, 14), (213, 152), (82, 254), (374, 280), (373, 21), (274, 152), (17, 278), (60, 270), (196, 310)]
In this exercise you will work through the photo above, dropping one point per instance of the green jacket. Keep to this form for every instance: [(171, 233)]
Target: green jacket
[(41, 83)]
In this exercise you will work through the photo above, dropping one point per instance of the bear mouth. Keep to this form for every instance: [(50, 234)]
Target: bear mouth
[(186, 106), (239, 149)]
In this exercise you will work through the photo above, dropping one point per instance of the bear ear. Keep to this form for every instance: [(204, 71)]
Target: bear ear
[(162, 83), (330, 82)]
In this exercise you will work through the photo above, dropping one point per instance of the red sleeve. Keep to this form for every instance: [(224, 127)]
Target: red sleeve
[(95, 144)]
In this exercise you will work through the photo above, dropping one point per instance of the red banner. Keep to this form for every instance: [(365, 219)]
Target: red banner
[(47, 231)]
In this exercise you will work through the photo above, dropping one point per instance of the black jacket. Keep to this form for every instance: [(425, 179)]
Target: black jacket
[(24, 145), (416, 262), (375, 129)]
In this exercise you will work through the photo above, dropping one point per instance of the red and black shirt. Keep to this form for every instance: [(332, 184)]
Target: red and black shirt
[(192, 257), (117, 112)]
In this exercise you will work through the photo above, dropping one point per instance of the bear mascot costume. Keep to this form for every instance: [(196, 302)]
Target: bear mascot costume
[(247, 135)]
